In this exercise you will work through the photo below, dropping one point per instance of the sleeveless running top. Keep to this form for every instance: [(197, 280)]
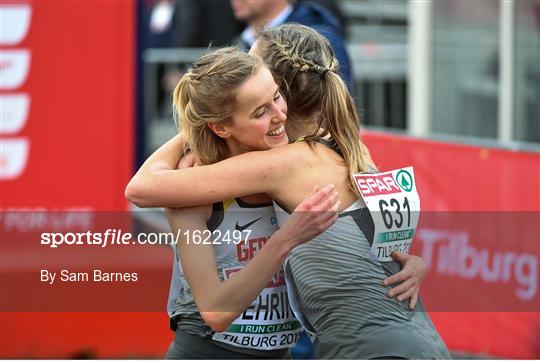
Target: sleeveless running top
[(335, 289), (268, 326)]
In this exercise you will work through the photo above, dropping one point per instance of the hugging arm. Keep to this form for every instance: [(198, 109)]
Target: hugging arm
[(220, 303), (409, 278), (159, 184)]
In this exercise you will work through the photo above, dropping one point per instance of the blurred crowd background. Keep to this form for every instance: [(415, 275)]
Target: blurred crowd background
[(450, 69)]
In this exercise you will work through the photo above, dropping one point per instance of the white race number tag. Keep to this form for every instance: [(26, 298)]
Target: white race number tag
[(268, 323), (394, 205)]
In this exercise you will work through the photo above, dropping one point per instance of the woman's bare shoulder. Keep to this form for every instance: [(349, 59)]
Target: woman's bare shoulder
[(299, 149), (288, 153)]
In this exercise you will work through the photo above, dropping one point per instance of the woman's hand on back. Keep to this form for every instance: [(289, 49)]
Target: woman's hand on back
[(411, 276)]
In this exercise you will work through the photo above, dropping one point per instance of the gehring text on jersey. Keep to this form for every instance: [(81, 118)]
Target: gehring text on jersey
[(95, 275)]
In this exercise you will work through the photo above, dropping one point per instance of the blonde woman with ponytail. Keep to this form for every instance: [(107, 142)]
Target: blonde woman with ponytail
[(336, 289), (203, 301)]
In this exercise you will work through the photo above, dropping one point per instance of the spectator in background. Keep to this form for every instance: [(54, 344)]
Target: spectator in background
[(261, 14), (191, 23)]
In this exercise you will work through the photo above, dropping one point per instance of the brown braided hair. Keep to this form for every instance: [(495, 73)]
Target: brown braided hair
[(304, 65)]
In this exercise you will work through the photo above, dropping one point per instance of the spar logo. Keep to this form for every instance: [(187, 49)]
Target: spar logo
[(380, 184), (405, 180)]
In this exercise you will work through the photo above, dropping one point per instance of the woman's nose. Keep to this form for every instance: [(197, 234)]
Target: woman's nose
[(280, 114)]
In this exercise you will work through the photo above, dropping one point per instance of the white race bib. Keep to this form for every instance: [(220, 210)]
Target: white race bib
[(394, 205), (268, 323)]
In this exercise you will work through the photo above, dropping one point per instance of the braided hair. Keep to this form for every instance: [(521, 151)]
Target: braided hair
[(306, 68)]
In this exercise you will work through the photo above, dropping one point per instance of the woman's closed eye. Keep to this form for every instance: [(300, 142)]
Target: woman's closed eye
[(261, 113), (265, 108)]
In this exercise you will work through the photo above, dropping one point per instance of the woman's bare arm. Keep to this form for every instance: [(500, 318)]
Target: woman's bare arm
[(159, 184), (220, 303)]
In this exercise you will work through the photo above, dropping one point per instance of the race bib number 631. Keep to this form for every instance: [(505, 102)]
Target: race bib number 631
[(394, 205)]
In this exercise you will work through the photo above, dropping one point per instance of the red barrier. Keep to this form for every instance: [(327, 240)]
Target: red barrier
[(459, 177), (67, 90), (85, 335), (482, 263), (72, 146)]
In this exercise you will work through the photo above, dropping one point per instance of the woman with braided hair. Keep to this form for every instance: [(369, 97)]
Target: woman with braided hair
[(204, 300), (338, 287)]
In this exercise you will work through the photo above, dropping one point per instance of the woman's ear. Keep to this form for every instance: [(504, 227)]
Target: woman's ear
[(220, 130)]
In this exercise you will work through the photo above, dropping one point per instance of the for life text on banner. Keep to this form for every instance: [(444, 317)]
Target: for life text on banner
[(394, 204)]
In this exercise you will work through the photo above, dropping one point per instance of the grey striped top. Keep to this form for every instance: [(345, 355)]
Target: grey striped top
[(335, 289)]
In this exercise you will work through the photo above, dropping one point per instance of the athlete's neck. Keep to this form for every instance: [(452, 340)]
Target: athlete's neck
[(304, 126), (234, 148)]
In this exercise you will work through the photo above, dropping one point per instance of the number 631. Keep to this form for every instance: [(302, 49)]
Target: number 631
[(387, 216)]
